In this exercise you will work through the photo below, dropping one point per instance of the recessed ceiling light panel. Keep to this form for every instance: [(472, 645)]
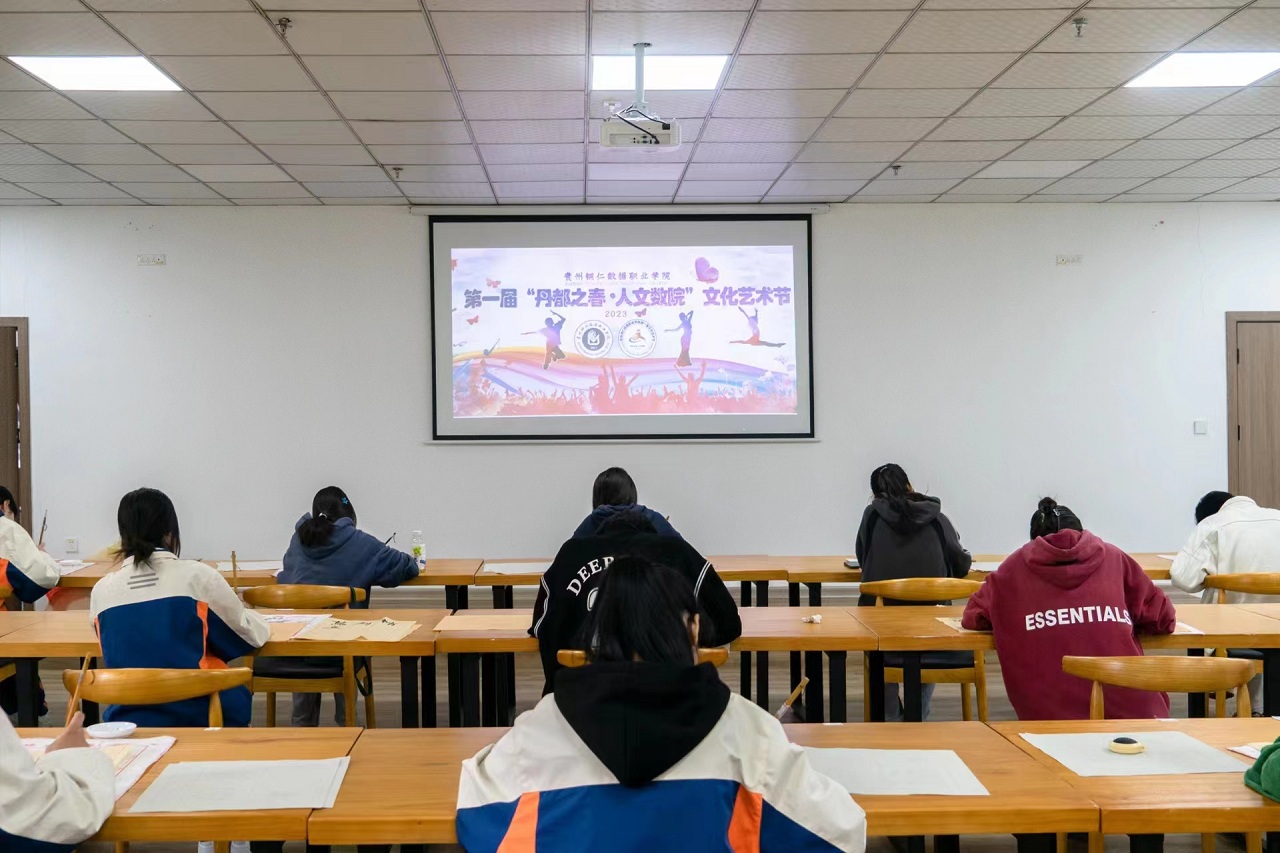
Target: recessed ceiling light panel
[(98, 73), (660, 72), (1208, 69)]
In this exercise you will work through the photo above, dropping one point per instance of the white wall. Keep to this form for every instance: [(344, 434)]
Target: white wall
[(284, 349)]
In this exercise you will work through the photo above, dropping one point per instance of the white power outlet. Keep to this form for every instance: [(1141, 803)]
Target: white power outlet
[(71, 545), (151, 260), (1070, 260), (1200, 427)]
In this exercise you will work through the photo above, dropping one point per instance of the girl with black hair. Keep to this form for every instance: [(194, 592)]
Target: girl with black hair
[(29, 570), (613, 492), (644, 749)]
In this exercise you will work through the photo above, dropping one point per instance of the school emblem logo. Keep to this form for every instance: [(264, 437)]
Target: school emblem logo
[(637, 338), (593, 339)]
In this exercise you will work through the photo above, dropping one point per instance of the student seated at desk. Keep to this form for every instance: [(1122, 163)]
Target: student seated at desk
[(1233, 535), (328, 550), (27, 568), (614, 492), (158, 611), (1066, 592), (53, 804), (644, 750), (569, 587)]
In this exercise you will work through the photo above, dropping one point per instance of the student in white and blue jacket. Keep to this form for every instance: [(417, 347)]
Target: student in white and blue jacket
[(30, 571), (328, 550)]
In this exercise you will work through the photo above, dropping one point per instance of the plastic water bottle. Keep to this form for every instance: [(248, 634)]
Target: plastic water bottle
[(419, 549)]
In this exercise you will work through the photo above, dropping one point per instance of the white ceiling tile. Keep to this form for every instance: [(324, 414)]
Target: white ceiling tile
[(378, 73), (101, 202), (1257, 100), (96, 189), (790, 199), (875, 129), (701, 33), (738, 172), (817, 188), (451, 174), (959, 150), (351, 189), (1107, 127), (535, 153), (40, 6), (59, 34), (821, 32), (667, 5), (189, 202), (11, 192), (665, 189), (1250, 29), (551, 199), (998, 4), (1030, 102), (279, 189), (400, 155), (724, 188), (190, 189), (194, 132), (1002, 186), (778, 103), (1083, 186), (210, 153), (296, 132), (1187, 185), (269, 106), (152, 174), (522, 105), (227, 173), (518, 73), (1256, 185), (359, 33), (633, 172), (536, 171), (432, 201), (1152, 198), (598, 154), (1171, 149), (6, 139), (538, 189), (236, 73), (1253, 149), (1169, 4), (62, 131), (936, 71), (38, 105), (1094, 70), (172, 5), (1153, 101), (1067, 149), (125, 154), (956, 169), (24, 155), (398, 106), (279, 202), (544, 130), (891, 199), (318, 155), (848, 152), (829, 71), (605, 199), (735, 199), (746, 152), (1132, 30), (908, 186), (1219, 127), (1130, 168), (347, 5), (903, 103), (449, 189), (1078, 198), (198, 33), (1032, 168), (177, 106), (764, 130), (335, 173), (1214, 168), (975, 32), (962, 129), (798, 172), (1234, 196), (12, 77), (54, 173), (506, 5), (537, 33), (977, 198)]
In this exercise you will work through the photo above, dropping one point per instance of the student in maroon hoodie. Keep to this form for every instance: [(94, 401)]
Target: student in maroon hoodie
[(1067, 592)]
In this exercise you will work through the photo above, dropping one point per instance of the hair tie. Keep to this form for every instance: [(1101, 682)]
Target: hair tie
[(345, 502), (322, 515)]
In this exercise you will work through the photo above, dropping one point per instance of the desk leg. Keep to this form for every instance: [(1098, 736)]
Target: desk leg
[(1196, 702), (408, 692), (762, 658), (488, 690), (907, 843), (1043, 842), (28, 677), (744, 658), (815, 595), (451, 598), (946, 844), (1146, 844), (469, 670), (1271, 682), (793, 600), (1271, 842), (429, 692), (503, 695), (813, 693), (912, 698), (874, 662), (839, 703)]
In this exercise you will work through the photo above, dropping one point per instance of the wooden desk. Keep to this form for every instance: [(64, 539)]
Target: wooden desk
[(1152, 805), (222, 745), (402, 787), (481, 669)]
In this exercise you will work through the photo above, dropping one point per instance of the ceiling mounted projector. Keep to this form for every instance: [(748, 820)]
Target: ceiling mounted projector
[(634, 127)]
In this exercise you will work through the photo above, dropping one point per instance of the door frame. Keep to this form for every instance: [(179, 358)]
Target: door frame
[(24, 409), (1234, 319)]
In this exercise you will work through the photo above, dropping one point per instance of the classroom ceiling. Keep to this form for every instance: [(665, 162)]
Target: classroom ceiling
[(487, 101)]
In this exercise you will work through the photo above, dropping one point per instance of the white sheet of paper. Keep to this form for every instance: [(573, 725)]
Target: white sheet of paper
[(954, 622), (251, 565), (1250, 750), (515, 568), (66, 567), (852, 563), (217, 786), (129, 758), (1168, 753), (1184, 628), (984, 566), (897, 771), (1169, 557)]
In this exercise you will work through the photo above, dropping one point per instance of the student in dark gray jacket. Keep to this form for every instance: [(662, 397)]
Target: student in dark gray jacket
[(905, 535)]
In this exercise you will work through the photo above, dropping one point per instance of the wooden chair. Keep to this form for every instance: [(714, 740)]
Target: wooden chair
[(157, 686), (308, 597), (1252, 583), (574, 658), (930, 591)]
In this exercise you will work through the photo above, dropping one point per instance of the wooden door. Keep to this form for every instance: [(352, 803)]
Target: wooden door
[(15, 450), (1255, 391)]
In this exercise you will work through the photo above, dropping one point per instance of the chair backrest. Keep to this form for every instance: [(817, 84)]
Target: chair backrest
[(157, 686), (920, 589), (574, 658), (1257, 583), (301, 596), (1167, 673)]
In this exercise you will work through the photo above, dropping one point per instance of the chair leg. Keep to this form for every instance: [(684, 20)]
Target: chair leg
[(349, 690), (222, 847), (370, 716), (122, 847), (980, 670), (1097, 842), (966, 713), (1208, 842), (1253, 842), (271, 710), (1061, 839)]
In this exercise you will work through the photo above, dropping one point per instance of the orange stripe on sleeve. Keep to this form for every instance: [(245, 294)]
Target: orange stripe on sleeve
[(744, 826), (522, 835), (207, 660)]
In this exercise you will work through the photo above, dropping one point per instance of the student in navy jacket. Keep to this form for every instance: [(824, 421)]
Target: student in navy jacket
[(328, 550), (614, 492)]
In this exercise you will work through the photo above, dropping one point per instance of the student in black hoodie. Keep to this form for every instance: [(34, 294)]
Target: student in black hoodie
[(905, 535), (569, 587)]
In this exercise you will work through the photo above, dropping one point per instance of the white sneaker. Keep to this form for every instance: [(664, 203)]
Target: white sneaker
[(204, 847), (239, 847)]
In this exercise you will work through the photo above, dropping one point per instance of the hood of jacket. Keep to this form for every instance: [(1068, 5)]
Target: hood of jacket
[(920, 510), (1065, 559), (343, 529), (640, 719)]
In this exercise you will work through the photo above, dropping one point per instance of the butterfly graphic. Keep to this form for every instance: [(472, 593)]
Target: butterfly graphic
[(706, 273), (642, 312), (453, 263), (473, 320), (492, 283)]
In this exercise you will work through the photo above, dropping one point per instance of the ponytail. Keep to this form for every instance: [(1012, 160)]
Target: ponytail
[(891, 484), (1050, 518), (329, 505)]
